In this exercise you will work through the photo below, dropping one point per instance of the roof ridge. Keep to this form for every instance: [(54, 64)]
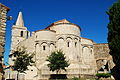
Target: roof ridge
[(62, 21)]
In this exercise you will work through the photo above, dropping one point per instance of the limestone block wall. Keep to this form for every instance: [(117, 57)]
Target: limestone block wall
[(87, 54), (69, 44), (18, 34), (86, 41), (66, 29), (87, 51), (3, 15), (44, 44), (28, 44), (16, 31), (45, 35), (102, 55)]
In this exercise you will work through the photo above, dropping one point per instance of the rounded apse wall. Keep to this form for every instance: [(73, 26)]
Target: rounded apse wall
[(45, 35), (66, 29)]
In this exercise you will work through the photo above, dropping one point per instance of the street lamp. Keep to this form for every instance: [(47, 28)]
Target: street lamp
[(9, 18)]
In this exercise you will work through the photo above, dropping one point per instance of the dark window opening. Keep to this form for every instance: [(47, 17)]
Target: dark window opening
[(15, 55), (13, 59), (101, 69), (68, 44), (58, 76), (43, 47), (75, 44), (21, 34), (91, 51), (106, 66), (27, 35)]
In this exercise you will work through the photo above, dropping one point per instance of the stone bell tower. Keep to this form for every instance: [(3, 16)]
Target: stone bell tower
[(19, 32)]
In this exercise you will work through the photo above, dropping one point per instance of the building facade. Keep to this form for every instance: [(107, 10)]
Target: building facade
[(61, 35), (3, 13)]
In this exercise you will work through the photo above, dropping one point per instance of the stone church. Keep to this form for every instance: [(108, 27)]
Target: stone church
[(84, 54)]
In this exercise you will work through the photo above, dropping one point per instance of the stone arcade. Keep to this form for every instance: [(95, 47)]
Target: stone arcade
[(62, 35)]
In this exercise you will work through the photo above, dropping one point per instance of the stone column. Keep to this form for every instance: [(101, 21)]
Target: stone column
[(3, 12)]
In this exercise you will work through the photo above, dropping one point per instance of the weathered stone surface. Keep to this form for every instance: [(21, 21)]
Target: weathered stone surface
[(102, 56), (85, 57), (101, 51), (2, 33), (62, 35), (3, 12), (1, 50)]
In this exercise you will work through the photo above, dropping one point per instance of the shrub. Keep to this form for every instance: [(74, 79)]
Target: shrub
[(75, 78), (104, 75)]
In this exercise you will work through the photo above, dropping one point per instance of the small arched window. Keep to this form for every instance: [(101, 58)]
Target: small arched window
[(27, 35), (91, 51), (43, 47), (68, 44), (75, 44), (21, 34)]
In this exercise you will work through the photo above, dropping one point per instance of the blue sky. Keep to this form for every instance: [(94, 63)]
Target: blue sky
[(90, 15)]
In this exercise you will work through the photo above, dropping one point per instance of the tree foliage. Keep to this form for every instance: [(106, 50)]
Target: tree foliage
[(114, 34), (22, 61), (57, 61), (1, 68), (103, 75)]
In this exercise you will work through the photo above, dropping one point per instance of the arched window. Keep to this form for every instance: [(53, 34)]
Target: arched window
[(69, 41), (91, 51), (21, 34), (75, 44), (43, 47), (27, 35), (60, 43), (68, 44), (52, 47)]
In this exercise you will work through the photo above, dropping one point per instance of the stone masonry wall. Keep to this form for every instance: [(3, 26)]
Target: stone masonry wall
[(3, 12), (102, 56)]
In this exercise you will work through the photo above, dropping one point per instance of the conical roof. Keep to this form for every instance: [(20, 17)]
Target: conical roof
[(20, 21)]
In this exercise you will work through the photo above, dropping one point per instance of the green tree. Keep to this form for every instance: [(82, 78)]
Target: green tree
[(57, 61), (114, 37), (23, 60)]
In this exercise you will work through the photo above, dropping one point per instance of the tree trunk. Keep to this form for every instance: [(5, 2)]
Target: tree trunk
[(57, 71), (57, 74)]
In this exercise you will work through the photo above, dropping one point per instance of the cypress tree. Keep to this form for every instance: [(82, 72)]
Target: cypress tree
[(114, 37)]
